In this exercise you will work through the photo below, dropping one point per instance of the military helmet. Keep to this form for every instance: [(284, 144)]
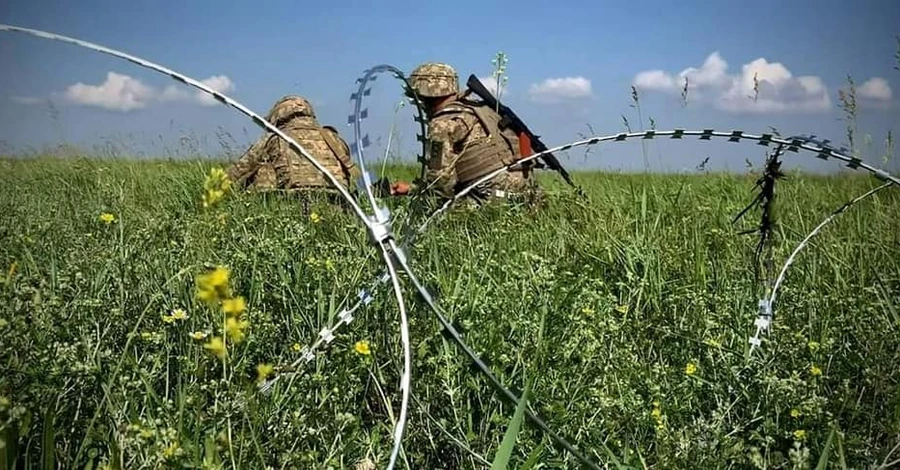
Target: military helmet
[(290, 107), (434, 80)]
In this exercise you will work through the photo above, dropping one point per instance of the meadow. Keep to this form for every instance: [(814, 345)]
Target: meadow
[(629, 311)]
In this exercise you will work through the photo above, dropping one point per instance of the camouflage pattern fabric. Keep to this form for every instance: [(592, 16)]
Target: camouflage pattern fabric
[(270, 163), (434, 79), (452, 135)]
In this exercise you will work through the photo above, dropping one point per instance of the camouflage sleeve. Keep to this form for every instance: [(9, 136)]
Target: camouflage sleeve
[(244, 167), (345, 157), (445, 133)]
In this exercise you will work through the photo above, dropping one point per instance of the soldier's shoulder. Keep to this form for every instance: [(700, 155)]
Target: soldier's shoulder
[(333, 131), (448, 127), (332, 135), (456, 109)]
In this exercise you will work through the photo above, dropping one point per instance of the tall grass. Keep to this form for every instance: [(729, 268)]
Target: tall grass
[(645, 293)]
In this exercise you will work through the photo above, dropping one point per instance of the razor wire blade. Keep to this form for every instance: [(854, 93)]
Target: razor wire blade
[(378, 223)]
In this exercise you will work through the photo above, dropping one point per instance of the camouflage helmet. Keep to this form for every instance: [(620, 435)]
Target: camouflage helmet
[(290, 107), (434, 80)]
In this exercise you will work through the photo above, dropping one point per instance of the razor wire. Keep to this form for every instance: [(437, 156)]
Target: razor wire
[(378, 225), (379, 228), (766, 311), (358, 147), (360, 144), (399, 251), (361, 141), (794, 144)]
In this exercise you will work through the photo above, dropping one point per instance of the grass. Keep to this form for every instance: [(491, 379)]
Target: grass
[(630, 311)]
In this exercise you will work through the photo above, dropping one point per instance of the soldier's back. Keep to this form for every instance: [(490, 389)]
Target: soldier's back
[(294, 171)]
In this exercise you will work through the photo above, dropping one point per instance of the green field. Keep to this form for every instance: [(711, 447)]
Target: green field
[(647, 293)]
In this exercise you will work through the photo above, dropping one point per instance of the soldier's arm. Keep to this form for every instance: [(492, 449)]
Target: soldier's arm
[(353, 170), (243, 168), (346, 159)]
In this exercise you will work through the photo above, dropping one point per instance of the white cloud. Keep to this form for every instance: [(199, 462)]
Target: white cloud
[(491, 84), (654, 80), (178, 92), (118, 93), (556, 90), (875, 88), (778, 89), (219, 83), (124, 93)]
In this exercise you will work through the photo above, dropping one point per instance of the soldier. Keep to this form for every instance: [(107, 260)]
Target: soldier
[(271, 164), (467, 142)]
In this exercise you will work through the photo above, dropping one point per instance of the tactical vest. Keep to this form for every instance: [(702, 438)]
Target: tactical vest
[(339, 163), (484, 155)]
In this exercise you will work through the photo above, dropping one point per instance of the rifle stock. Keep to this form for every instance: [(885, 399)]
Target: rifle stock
[(511, 120)]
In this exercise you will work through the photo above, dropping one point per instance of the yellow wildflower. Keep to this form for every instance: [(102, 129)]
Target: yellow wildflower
[(362, 347), (587, 311), (234, 328), (622, 309), (213, 286), (179, 314), (815, 371), (216, 347), (800, 434), (314, 218), (170, 450), (218, 277), (263, 371), (795, 413), (296, 347), (198, 335), (690, 368), (234, 307), (215, 186), (107, 218), (212, 196), (813, 345), (168, 318)]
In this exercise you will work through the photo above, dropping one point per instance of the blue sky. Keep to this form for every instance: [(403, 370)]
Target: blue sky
[(569, 67)]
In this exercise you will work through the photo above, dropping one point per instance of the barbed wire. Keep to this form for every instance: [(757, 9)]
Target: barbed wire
[(400, 253), (358, 147), (795, 141), (766, 311), (792, 144), (378, 224), (380, 229), (704, 135)]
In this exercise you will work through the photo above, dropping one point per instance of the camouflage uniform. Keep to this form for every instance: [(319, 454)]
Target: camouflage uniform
[(466, 141), (270, 163)]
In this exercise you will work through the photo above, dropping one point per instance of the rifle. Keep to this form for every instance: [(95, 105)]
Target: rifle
[(510, 120)]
